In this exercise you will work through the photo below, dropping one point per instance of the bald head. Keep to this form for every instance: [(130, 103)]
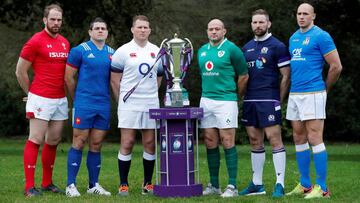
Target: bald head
[(216, 31), (216, 22), (305, 16), (306, 7)]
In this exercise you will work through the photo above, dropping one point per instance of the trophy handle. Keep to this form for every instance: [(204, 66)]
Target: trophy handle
[(163, 42), (192, 48)]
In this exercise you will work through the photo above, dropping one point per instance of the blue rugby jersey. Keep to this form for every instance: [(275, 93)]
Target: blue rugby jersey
[(264, 58), (93, 84), (307, 59)]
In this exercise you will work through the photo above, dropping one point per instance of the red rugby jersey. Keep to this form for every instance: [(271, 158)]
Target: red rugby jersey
[(48, 56)]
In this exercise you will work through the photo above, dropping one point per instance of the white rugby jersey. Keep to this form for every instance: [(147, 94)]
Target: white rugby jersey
[(134, 62)]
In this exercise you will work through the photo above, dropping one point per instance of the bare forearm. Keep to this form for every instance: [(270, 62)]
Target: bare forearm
[(242, 84), (284, 88), (70, 86), (333, 76), (24, 82)]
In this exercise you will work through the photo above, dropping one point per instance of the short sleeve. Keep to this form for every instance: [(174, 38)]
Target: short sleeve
[(75, 57), (326, 43), (283, 55), (29, 50), (238, 61), (118, 61)]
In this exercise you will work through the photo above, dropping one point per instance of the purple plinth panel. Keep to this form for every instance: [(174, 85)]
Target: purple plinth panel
[(177, 140)]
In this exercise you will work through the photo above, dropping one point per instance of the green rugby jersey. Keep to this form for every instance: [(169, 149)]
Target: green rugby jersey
[(220, 67)]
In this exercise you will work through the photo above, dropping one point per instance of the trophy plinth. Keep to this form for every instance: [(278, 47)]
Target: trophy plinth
[(178, 58)]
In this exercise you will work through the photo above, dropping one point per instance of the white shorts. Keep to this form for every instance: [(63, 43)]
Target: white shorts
[(219, 114), (45, 108), (307, 106), (135, 120)]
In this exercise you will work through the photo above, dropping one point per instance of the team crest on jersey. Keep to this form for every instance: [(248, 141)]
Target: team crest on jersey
[(264, 50), (152, 54), (203, 54), (221, 53), (77, 121), (306, 41), (133, 55), (63, 44), (209, 65)]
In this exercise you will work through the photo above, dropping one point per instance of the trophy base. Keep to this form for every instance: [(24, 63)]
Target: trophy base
[(178, 190)]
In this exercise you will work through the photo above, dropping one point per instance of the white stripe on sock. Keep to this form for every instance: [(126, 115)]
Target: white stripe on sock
[(318, 148), (124, 157), (302, 147)]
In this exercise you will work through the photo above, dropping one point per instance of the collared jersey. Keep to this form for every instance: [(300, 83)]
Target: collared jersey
[(134, 62), (93, 84), (264, 58), (307, 59), (48, 57), (219, 67)]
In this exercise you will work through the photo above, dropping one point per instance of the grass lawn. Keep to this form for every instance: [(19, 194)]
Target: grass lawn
[(343, 178)]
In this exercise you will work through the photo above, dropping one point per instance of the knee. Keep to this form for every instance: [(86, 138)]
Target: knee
[(127, 145), (95, 146), (149, 144), (53, 140), (275, 140), (228, 142), (210, 142), (256, 142), (299, 138), (78, 143)]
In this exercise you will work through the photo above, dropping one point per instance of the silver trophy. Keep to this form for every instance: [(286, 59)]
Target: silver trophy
[(179, 53)]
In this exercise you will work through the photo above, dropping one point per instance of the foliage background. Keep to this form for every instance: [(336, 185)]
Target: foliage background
[(20, 19)]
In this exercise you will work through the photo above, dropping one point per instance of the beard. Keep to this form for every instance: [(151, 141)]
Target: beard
[(53, 30), (259, 32)]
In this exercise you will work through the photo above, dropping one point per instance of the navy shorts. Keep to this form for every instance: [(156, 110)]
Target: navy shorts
[(91, 118), (261, 114)]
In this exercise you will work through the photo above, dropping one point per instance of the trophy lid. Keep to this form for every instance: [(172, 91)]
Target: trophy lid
[(176, 40)]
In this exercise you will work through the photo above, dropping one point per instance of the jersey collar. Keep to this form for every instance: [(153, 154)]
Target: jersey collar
[(263, 38), (218, 46)]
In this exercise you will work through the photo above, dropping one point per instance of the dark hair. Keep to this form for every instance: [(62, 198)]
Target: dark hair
[(261, 12), (97, 20), (140, 17), (50, 7)]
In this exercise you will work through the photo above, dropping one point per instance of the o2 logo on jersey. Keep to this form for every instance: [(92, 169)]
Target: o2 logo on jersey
[(209, 65), (144, 68)]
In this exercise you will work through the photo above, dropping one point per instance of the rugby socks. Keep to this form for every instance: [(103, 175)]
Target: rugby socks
[(231, 163), (93, 163), (48, 156), (124, 162), (257, 163), (320, 162), (303, 159), (148, 163), (73, 165), (213, 158), (279, 159), (31, 151)]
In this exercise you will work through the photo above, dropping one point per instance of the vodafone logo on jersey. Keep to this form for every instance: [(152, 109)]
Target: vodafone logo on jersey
[(209, 65)]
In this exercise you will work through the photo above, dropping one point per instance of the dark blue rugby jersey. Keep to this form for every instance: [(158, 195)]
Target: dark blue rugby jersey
[(265, 58)]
